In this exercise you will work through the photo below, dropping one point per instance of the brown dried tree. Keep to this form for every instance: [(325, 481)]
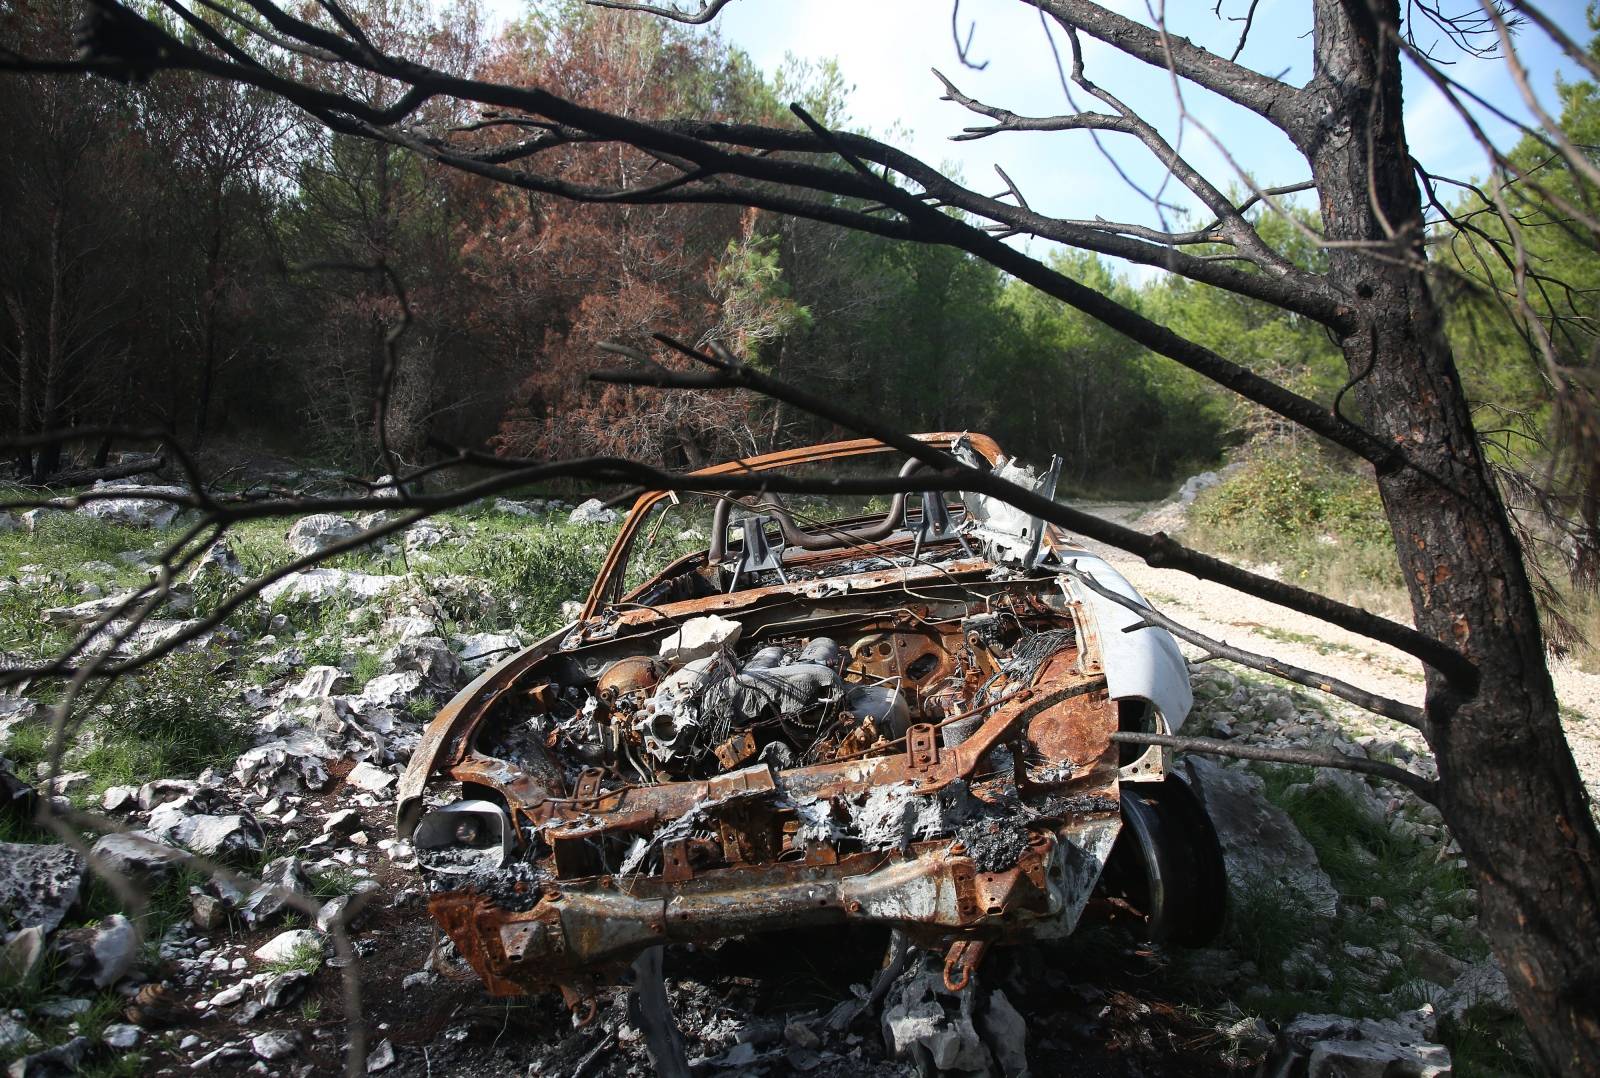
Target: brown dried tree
[(1507, 783)]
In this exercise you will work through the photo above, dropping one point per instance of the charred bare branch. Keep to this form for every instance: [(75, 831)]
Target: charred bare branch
[(1379, 705), (1427, 789), (705, 13), (1158, 550), (1267, 97)]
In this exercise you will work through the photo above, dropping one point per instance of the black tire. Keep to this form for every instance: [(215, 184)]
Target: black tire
[(1167, 864)]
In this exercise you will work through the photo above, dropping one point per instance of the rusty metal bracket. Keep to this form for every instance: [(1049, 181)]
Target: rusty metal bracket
[(756, 779), (922, 750), (737, 749), (961, 962), (964, 874), (821, 853), (675, 860), (587, 794)]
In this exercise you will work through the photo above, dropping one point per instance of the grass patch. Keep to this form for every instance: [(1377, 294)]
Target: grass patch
[(305, 956), (1483, 1043), (127, 1065), (68, 542), (1364, 858), (64, 553), (29, 744), (13, 828), (174, 718), (367, 665), (528, 571), (1316, 643), (105, 1007), (332, 883)]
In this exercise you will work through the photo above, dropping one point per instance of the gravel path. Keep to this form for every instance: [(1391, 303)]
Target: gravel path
[(1257, 625)]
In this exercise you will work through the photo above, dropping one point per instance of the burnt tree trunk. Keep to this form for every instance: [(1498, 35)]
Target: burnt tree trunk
[(48, 457), (209, 302), (1510, 790), (27, 381)]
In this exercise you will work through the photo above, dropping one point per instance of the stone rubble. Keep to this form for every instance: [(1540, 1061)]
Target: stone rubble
[(593, 511), (101, 955), (1260, 844), (320, 585), (381, 1058), (275, 1045), (16, 1038), (975, 1032), (22, 957), (62, 1061), (219, 562), (372, 779), (287, 945), (142, 858), (131, 511), (518, 508), (478, 651), (1332, 1046)]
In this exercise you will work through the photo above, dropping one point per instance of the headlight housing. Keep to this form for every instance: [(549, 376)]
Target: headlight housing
[(467, 835)]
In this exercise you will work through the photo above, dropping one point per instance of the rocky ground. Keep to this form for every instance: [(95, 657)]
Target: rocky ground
[(273, 748)]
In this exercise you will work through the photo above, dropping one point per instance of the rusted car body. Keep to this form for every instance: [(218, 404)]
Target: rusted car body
[(903, 719)]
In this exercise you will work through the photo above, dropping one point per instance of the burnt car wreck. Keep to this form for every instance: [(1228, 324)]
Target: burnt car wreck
[(903, 718)]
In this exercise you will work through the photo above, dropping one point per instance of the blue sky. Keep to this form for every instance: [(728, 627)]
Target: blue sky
[(886, 47)]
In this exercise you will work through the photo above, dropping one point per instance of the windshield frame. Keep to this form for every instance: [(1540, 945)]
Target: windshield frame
[(608, 581)]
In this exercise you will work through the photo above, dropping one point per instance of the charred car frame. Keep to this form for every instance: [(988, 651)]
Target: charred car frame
[(903, 718)]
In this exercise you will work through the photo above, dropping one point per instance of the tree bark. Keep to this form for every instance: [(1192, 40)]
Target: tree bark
[(1509, 787), (48, 457), (27, 380), (208, 316)]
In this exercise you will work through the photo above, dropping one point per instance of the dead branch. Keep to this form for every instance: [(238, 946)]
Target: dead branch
[(708, 10), (1370, 701), (1427, 789), (82, 477), (1158, 550)]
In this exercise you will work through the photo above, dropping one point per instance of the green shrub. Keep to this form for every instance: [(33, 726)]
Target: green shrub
[(1290, 494), (538, 565), (1322, 525), (175, 717)]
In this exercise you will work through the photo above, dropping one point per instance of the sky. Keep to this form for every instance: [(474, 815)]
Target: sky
[(885, 48)]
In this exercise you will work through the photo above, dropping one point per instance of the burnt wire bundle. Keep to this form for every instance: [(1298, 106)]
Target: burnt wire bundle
[(1026, 660)]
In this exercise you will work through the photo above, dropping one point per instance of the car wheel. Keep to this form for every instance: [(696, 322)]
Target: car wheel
[(1167, 863)]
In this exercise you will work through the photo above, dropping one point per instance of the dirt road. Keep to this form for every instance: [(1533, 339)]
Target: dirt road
[(1257, 625)]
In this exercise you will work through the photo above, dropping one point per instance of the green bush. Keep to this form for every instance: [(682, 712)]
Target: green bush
[(1292, 494), (1322, 525), (173, 718)]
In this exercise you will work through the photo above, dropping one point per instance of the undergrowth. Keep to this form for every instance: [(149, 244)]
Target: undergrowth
[(172, 718), (1322, 525)]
